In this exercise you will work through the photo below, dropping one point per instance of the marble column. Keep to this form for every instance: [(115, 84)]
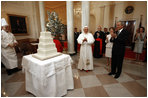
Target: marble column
[(85, 13), (106, 16), (42, 15), (70, 32)]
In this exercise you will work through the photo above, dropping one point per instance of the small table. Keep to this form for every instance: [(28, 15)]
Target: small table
[(48, 78), (34, 47)]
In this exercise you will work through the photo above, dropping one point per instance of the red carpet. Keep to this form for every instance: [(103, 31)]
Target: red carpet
[(132, 55), (129, 54)]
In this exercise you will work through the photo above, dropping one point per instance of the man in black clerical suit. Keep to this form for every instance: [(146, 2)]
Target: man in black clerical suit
[(76, 35), (118, 49), (98, 47)]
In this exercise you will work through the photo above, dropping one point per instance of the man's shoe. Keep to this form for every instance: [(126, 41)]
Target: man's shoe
[(16, 70), (117, 76), (111, 73), (9, 71)]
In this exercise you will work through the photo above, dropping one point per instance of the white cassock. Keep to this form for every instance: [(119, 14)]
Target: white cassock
[(9, 58), (86, 58)]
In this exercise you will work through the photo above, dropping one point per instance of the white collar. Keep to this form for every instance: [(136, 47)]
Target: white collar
[(5, 32), (120, 30), (85, 33)]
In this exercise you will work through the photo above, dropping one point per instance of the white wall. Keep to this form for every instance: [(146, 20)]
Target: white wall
[(104, 13), (24, 8), (140, 8), (77, 15), (101, 13)]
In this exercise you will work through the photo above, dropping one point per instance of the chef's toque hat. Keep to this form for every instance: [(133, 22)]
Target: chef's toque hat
[(4, 22)]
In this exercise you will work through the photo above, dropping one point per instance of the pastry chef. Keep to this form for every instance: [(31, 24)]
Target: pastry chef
[(8, 54)]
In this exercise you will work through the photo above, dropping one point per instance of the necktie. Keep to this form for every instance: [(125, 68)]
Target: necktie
[(117, 33)]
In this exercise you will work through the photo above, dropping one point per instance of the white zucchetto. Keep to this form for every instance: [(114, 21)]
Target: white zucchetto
[(85, 27)]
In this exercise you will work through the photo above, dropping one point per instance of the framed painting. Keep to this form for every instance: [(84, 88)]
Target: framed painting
[(18, 24)]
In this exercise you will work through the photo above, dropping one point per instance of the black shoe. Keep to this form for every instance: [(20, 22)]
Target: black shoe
[(9, 71), (16, 70), (111, 73), (117, 76)]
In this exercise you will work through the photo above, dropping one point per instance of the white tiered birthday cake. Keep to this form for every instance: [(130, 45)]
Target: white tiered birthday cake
[(46, 47)]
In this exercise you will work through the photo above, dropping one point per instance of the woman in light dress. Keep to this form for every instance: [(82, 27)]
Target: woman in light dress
[(139, 42), (109, 45)]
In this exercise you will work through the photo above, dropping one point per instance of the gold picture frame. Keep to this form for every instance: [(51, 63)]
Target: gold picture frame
[(18, 24)]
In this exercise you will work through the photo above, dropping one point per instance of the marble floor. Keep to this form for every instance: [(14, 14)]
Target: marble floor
[(96, 83)]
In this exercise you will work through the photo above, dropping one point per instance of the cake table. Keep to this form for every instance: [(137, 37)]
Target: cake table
[(48, 78)]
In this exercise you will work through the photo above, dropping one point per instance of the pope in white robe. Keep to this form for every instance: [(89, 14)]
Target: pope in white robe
[(86, 40), (8, 42)]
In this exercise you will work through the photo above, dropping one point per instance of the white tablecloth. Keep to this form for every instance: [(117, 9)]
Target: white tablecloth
[(52, 77)]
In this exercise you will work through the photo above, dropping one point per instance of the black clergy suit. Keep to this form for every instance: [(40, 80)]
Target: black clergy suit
[(118, 51), (97, 45)]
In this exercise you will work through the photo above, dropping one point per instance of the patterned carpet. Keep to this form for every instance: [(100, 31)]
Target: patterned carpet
[(96, 83)]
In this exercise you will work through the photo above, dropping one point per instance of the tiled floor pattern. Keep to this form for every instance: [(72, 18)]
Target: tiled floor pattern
[(96, 83)]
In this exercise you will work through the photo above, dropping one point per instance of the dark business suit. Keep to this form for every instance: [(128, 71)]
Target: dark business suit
[(118, 51), (76, 35)]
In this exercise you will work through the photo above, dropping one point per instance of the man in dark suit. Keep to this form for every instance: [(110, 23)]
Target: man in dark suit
[(106, 32), (76, 35), (118, 50)]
